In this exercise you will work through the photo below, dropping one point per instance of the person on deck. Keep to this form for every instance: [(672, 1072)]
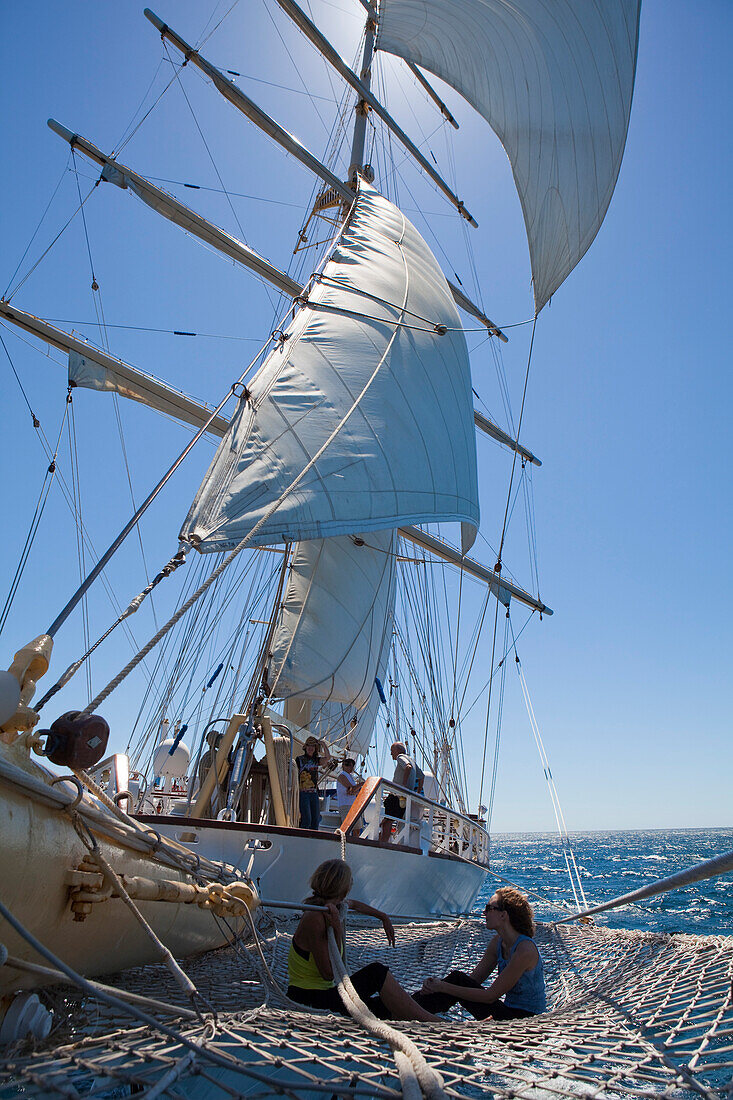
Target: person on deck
[(315, 756), (405, 775), (520, 980), (347, 786), (310, 974)]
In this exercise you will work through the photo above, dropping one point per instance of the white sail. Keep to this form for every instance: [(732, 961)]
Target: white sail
[(334, 722), (555, 81), (334, 633), (369, 394), (339, 594)]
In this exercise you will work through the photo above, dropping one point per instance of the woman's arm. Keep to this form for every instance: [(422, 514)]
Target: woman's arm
[(368, 911), (480, 972), (487, 962)]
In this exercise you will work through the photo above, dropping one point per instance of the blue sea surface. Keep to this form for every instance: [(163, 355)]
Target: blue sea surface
[(615, 863)]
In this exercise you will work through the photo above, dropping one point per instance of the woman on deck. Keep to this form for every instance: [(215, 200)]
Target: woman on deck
[(309, 966), (310, 765), (520, 980)]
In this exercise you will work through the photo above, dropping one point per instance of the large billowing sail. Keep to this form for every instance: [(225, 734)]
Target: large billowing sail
[(555, 81), (362, 418)]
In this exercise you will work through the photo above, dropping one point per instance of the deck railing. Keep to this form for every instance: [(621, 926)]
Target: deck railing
[(426, 825)]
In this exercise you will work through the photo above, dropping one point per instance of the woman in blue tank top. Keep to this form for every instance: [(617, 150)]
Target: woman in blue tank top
[(519, 987)]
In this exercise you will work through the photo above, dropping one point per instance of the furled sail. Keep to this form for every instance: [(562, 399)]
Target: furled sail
[(98, 371), (555, 81), (361, 419)]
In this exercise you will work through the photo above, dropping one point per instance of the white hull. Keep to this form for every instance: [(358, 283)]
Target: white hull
[(39, 848), (401, 881)]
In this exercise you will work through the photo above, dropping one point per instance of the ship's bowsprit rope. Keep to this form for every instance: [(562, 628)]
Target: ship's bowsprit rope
[(632, 1014)]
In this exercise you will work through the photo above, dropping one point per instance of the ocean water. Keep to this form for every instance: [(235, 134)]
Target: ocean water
[(615, 863)]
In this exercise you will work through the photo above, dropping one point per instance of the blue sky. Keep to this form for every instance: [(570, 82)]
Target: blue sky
[(629, 401)]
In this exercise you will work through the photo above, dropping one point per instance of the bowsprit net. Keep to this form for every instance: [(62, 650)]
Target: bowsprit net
[(631, 1014)]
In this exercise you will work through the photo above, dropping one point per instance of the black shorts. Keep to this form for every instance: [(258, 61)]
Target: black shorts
[(392, 806), (367, 982)]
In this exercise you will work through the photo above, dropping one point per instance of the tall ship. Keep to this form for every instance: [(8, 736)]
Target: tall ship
[(298, 551), (344, 489)]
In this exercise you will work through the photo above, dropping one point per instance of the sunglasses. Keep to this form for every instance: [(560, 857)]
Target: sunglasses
[(493, 909)]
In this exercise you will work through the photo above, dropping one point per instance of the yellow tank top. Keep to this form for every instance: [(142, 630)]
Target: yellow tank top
[(303, 972)]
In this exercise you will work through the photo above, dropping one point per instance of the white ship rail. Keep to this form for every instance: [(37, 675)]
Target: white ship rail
[(427, 825)]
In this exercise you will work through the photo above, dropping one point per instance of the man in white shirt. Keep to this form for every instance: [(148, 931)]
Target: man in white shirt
[(347, 786), (405, 774)]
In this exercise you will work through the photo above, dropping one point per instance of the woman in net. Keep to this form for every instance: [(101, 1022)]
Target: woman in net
[(519, 986), (309, 967)]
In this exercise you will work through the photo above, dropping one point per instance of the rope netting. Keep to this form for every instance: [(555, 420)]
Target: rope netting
[(631, 1014)]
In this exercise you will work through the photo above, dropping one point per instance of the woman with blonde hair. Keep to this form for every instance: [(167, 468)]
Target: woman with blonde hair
[(309, 966), (520, 980)]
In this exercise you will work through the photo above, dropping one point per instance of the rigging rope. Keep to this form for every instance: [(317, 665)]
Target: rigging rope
[(568, 853), (102, 325), (710, 868), (514, 455), (67, 495), (80, 549), (176, 561), (497, 741), (38, 513), (264, 283), (65, 226), (35, 231), (488, 703)]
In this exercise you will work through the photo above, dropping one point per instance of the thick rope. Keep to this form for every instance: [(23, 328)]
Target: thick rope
[(416, 1076)]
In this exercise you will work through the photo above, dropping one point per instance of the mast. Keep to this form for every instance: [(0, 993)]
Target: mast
[(311, 31), (163, 203), (502, 587), (122, 378), (361, 108)]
